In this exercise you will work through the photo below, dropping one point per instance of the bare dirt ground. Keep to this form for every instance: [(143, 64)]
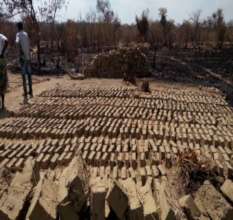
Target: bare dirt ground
[(102, 149)]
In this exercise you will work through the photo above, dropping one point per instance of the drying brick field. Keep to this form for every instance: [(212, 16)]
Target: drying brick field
[(120, 142)]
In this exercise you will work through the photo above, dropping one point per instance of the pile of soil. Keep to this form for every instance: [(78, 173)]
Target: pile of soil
[(132, 60)]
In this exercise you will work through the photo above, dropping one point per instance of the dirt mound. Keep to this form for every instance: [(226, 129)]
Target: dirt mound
[(123, 61)]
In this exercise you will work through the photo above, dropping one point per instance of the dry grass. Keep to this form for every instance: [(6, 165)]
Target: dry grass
[(193, 170)]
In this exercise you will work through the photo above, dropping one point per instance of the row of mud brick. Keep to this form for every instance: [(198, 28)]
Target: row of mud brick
[(107, 151), (47, 153), (124, 93), (150, 103), (94, 92), (84, 111), (26, 127)]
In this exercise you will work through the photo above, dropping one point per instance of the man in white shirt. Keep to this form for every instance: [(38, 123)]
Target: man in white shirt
[(23, 41), (3, 73)]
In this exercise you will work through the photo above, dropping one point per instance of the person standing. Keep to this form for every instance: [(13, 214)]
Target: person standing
[(3, 72), (23, 41)]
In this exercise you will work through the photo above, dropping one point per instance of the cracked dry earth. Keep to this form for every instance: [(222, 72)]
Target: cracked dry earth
[(97, 154)]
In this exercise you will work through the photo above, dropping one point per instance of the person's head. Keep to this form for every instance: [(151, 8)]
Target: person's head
[(20, 26)]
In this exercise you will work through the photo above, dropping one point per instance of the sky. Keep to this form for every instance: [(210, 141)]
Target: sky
[(126, 10)]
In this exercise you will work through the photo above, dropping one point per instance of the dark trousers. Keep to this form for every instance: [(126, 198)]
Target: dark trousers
[(27, 78)]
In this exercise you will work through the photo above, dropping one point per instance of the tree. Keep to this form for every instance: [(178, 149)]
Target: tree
[(163, 23), (143, 24), (220, 27), (35, 11), (185, 33), (195, 18)]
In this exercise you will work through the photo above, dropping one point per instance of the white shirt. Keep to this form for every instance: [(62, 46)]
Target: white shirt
[(23, 40), (3, 40)]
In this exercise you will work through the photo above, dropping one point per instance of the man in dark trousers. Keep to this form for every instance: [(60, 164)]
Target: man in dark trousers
[(3, 73), (23, 41)]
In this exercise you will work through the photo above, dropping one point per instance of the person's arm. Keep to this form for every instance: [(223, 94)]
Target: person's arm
[(4, 48)]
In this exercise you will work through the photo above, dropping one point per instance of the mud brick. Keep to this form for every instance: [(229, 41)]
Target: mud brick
[(73, 147), (102, 171), (148, 170), (40, 148), (108, 171), (81, 147), (155, 171), (134, 160), (125, 148), (120, 159), (168, 160), (81, 139), (84, 155), (61, 159), (157, 158), (132, 173), (51, 149), (142, 157), (46, 148), (91, 158), (2, 146), (111, 148), (162, 151), (112, 159), (97, 156), (12, 154), (142, 171), (153, 146), (208, 155), (105, 157), (4, 162), (115, 172), (228, 150), (67, 148), (213, 149), (11, 163), (104, 148), (59, 149), (29, 151), (93, 147), (162, 170), (221, 150), (6, 153), (45, 161), (99, 147), (229, 168), (134, 148), (94, 172), (40, 158), (226, 157), (55, 142), (68, 157), (220, 167), (100, 140), (123, 173), (87, 146), (217, 156), (118, 148), (174, 149), (15, 146), (19, 164), (54, 159), (114, 140), (127, 159)]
